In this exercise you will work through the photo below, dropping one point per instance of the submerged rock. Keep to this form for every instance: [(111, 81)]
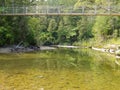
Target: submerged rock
[(39, 76)]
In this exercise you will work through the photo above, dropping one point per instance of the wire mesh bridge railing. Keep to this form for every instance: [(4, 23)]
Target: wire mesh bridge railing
[(58, 10)]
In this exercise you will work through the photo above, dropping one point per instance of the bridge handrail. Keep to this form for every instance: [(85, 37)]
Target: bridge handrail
[(59, 9)]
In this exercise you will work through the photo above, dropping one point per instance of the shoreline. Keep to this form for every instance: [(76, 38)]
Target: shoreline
[(9, 50), (6, 50), (19, 49)]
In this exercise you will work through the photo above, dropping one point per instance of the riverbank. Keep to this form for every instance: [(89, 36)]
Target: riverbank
[(33, 48), (28, 49), (112, 49)]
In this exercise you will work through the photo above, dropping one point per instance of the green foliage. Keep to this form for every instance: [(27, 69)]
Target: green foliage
[(38, 26), (84, 27), (102, 28), (6, 36), (52, 25)]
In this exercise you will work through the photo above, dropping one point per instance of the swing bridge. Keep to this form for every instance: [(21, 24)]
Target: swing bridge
[(39, 10)]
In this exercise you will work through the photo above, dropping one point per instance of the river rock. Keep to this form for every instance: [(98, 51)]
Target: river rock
[(117, 52)]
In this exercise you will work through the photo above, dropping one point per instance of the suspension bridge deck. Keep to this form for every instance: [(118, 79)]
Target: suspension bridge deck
[(61, 11), (60, 14)]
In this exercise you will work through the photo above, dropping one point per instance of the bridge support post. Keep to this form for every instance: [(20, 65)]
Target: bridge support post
[(13, 11), (108, 9), (36, 9), (47, 10), (95, 8), (26, 10), (3, 10), (83, 9), (59, 10)]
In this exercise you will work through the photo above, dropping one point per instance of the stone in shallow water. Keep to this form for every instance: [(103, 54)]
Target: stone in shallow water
[(117, 52), (39, 76)]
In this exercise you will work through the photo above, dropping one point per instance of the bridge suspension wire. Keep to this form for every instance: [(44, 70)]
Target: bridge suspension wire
[(60, 10)]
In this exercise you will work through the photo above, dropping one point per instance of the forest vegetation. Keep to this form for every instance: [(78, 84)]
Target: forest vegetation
[(54, 30)]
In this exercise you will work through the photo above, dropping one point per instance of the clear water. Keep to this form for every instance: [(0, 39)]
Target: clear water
[(61, 69)]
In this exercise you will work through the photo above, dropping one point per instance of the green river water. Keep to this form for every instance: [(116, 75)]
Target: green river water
[(60, 69)]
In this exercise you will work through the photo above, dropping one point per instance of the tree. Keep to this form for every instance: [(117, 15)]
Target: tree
[(38, 27), (52, 25), (6, 36), (85, 29), (102, 28)]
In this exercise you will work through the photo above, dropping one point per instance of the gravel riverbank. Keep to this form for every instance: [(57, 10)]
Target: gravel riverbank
[(11, 50)]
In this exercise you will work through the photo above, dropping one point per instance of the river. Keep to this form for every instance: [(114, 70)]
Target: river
[(60, 69)]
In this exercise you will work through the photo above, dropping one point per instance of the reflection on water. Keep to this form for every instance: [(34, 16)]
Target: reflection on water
[(61, 69)]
